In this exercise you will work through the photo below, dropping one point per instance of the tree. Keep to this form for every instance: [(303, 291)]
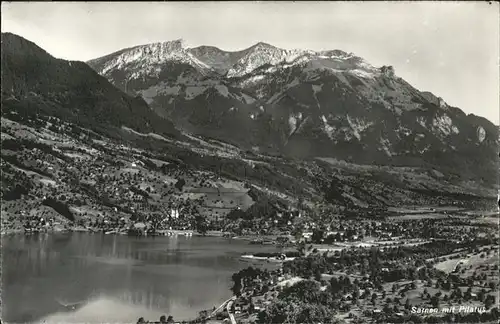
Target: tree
[(202, 314), (468, 294), (317, 235), (180, 183), (301, 247), (435, 301), (237, 286), (201, 224), (297, 233), (317, 274), (251, 308), (489, 301), (495, 313)]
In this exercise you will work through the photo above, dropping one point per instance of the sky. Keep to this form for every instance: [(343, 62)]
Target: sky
[(449, 48)]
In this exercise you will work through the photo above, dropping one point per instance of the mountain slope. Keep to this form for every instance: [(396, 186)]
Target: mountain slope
[(305, 103), (34, 82)]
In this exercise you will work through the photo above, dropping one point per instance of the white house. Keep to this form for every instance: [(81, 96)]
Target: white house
[(174, 213), (307, 234)]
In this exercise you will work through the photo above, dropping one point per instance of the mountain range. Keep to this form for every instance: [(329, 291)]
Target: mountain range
[(304, 104), (298, 104)]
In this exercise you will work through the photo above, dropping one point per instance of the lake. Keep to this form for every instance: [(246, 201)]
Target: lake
[(116, 278)]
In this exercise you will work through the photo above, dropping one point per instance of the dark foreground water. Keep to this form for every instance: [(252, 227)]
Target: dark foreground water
[(115, 278)]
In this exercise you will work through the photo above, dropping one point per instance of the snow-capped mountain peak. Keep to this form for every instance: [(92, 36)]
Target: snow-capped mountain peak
[(207, 58), (149, 55), (296, 101)]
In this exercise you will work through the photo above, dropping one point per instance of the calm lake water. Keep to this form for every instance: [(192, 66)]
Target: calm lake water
[(116, 278)]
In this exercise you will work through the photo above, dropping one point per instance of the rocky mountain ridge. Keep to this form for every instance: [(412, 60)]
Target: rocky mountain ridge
[(304, 103), (210, 58)]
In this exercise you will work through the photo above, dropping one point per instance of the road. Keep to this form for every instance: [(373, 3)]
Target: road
[(231, 315), (222, 306)]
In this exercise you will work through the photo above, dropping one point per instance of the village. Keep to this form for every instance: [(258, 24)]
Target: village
[(360, 284)]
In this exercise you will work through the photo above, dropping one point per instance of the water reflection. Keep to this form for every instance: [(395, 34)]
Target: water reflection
[(111, 276)]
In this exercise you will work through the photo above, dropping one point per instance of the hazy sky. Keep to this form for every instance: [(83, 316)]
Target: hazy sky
[(448, 48)]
